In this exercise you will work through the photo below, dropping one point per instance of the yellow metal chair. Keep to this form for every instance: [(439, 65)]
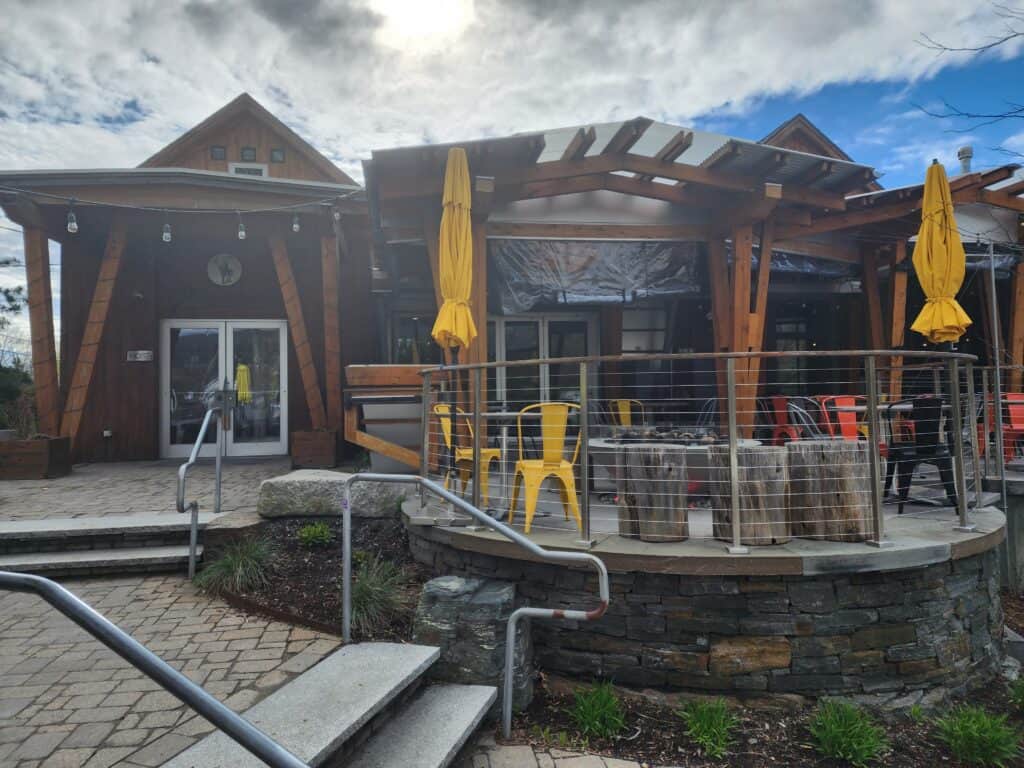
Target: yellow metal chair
[(622, 412), (464, 455), (554, 423)]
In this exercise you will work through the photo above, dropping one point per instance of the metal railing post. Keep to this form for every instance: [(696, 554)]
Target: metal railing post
[(425, 435), (736, 548), (219, 464), (972, 408), (585, 534), (874, 456), (478, 437), (986, 419), (959, 470)]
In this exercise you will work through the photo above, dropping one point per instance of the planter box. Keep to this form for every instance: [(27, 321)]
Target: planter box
[(35, 459), (316, 449)]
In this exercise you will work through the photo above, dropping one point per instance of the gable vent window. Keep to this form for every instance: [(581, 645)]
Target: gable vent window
[(277, 155), (249, 169), (218, 152), (248, 154)]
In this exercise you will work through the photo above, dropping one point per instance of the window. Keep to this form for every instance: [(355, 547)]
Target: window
[(248, 154), (790, 372), (218, 152), (411, 340), (249, 169), (277, 155)]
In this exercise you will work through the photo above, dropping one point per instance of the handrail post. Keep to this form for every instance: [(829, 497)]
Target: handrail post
[(959, 474), (346, 560), (986, 419), (585, 534), (478, 438), (425, 435), (972, 408), (874, 456), (736, 548)]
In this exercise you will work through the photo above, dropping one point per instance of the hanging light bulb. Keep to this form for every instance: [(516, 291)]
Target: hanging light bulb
[(72, 219), (241, 228), (295, 223), (166, 237), (337, 215)]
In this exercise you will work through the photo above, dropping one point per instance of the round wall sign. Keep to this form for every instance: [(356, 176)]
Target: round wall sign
[(224, 269)]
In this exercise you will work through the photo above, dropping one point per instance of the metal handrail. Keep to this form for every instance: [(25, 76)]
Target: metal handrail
[(120, 642), (193, 506), (483, 518)]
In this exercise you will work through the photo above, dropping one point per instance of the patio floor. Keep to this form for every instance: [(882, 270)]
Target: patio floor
[(137, 487)]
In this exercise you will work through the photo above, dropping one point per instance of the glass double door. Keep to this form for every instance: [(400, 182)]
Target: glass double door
[(197, 357)]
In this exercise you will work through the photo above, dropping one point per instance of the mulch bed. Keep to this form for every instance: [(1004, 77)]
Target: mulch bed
[(655, 735), (305, 582), (1013, 611)]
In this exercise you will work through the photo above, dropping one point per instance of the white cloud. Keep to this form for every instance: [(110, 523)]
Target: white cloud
[(352, 76)]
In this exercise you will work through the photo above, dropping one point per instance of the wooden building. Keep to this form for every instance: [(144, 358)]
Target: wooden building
[(162, 299)]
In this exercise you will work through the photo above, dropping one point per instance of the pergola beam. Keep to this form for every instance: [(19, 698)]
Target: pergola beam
[(723, 154), (626, 136), (40, 317), (671, 151), (579, 144)]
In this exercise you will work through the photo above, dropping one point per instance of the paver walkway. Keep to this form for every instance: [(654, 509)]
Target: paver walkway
[(486, 754), (93, 490), (67, 701)]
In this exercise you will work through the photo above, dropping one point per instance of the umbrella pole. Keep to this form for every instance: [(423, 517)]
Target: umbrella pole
[(453, 422)]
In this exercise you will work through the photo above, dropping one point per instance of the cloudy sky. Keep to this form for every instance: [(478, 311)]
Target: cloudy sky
[(105, 84)]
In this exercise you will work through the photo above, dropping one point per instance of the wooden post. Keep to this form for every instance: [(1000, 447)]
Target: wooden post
[(611, 344), (869, 279), (721, 319), (478, 298), (1016, 340), (742, 246), (99, 308), (40, 318), (897, 318), (332, 331), (757, 318), (300, 338)]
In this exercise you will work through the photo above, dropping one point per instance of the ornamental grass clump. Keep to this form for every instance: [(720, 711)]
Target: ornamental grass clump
[(598, 712), (977, 738), (710, 724), (1017, 694), (314, 535), (376, 593), (842, 731), (243, 566)]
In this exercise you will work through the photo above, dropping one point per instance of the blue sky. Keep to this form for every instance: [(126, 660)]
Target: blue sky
[(108, 87)]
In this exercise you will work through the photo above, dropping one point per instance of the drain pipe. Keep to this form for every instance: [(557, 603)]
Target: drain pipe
[(566, 558)]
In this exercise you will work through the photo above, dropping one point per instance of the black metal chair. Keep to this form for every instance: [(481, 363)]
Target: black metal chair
[(801, 418), (928, 447)]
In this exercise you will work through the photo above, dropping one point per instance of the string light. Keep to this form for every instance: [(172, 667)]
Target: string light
[(241, 227), (72, 219), (295, 223), (166, 237)]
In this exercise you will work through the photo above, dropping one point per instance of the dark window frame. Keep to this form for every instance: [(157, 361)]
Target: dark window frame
[(248, 155), (277, 154), (218, 152)]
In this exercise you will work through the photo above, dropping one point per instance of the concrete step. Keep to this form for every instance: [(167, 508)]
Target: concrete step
[(99, 561), (106, 532), (315, 714), (430, 730)]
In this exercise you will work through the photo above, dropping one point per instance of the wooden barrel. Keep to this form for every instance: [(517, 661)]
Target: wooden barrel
[(652, 491), (830, 489), (763, 486)]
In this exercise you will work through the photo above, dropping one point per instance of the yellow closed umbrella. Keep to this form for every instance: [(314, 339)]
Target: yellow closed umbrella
[(454, 326), (939, 262)]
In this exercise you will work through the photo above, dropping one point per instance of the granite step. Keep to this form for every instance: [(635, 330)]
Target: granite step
[(83, 562), (314, 715), (105, 532), (430, 730)]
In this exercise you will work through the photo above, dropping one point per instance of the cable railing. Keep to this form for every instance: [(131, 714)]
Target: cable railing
[(174, 682), (524, 612), (749, 449)]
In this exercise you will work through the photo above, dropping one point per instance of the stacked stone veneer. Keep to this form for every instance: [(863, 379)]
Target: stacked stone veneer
[(890, 638)]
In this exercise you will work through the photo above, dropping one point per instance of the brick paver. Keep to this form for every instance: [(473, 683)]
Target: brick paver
[(94, 490), (485, 753), (66, 700)]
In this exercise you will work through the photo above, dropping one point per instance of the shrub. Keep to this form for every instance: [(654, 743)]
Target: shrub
[(977, 738), (598, 712), (315, 535), (916, 714), (843, 731), (710, 724), (376, 596), (1017, 694), (241, 567)]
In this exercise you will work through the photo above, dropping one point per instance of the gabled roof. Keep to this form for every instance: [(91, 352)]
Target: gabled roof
[(800, 124), (246, 104)]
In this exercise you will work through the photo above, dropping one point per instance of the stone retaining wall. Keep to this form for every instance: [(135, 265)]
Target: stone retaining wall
[(888, 639)]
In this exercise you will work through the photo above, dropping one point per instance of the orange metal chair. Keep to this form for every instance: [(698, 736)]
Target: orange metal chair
[(836, 422), (554, 424), (464, 455), (783, 430), (622, 412), (1013, 426)]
